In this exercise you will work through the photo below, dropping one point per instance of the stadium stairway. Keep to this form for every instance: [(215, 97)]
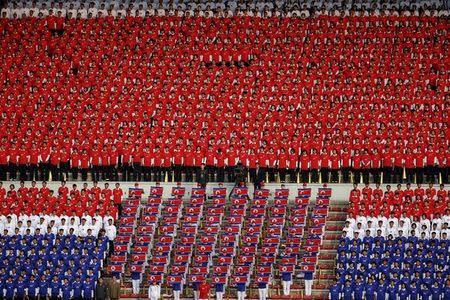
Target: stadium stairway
[(325, 271)]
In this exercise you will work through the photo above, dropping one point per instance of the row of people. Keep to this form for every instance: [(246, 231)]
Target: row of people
[(94, 191), (402, 192), (278, 8), (140, 163), (83, 229), (388, 289), (402, 231), (89, 202), (253, 4), (88, 13), (404, 222)]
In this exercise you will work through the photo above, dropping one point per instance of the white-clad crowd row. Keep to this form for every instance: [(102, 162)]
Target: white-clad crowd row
[(41, 224), (424, 228), (305, 9)]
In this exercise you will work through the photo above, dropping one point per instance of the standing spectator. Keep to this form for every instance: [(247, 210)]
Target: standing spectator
[(101, 290), (154, 291), (75, 163), (203, 290), (262, 290), (240, 286), (114, 289), (324, 165), (258, 177), (88, 289), (286, 281), (387, 164), (309, 278), (137, 163), (113, 163), (96, 163), (136, 282), (314, 162), (84, 164), (4, 162), (117, 196), (55, 159), (111, 233), (219, 290), (304, 166), (202, 176)]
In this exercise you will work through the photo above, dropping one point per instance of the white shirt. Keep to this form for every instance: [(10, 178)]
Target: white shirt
[(438, 222), (154, 291), (395, 220), (83, 230), (56, 219), (65, 228), (405, 229), (76, 231), (447, 231), (111, 232), (106, 219), (99, 220), (28, 227), (384, 220), (382, 229), (406, 220), (425, 222), (427, 234), (360, 232), (362, 220), (87, 218), (392, 230), (352, 222), (95, 229), (6, 11)]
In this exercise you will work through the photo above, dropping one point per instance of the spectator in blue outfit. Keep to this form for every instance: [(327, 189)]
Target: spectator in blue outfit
[(286, 281), (219, 287), (55, 288), (382, 287), (425, 293), (446, 290), (370, 289), (43, 287), (88, 289), (414, 291), (392, 290), (241, 290), (77, 287), (358, 289), (335, 291), (436, 291), (176, 288), (9, 289), (21, 286), (403, 292), (347, 291), (66, 289), (32, 286)]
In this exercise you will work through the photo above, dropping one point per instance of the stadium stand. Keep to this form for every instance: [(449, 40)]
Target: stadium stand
[(325, 98), (54, 246), (397, 252), (241, 246)]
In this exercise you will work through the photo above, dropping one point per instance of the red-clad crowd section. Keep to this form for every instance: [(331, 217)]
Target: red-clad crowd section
[(159, 91), (75, 201), (400, 202)]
